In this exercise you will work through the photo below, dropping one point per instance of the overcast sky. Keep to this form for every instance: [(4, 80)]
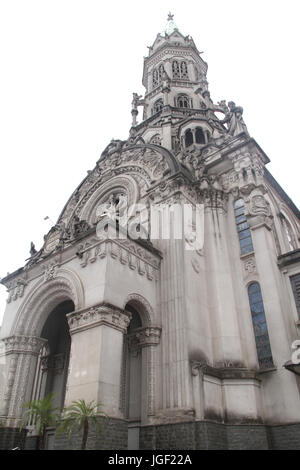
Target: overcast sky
[(68, 70)]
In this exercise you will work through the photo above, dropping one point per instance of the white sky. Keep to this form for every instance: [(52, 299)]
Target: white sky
[(68, 70)]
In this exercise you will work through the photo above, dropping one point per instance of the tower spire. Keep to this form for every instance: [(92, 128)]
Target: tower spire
[(170, 26)]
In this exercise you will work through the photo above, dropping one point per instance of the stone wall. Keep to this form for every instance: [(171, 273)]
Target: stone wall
[(113, 436), (12, 437), (200, 435), (216, 436)]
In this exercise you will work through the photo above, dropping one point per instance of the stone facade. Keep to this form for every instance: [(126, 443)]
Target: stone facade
[(167, 290)]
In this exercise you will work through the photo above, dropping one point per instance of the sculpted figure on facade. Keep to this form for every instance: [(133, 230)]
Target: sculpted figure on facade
[(234, 120), (259, 205), (136, 101)]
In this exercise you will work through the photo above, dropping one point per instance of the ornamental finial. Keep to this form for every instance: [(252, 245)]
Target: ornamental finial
[(170, 17)]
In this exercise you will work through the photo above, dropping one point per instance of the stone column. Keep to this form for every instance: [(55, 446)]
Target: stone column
[(198, 389), (96, 356), (148, 338), (226, 339), (19, 367)]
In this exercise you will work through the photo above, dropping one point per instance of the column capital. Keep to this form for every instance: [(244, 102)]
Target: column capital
[(20, 344), (103, 314), (144, 337)]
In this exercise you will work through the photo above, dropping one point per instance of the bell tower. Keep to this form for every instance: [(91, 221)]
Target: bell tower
[(178, 110)]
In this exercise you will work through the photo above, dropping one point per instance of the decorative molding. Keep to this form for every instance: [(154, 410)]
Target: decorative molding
[(50, 270), (225, 370), (144, 337), (45, 296), (249, 265), (19, 344), (16, 289), (103, 314), (126, 251)]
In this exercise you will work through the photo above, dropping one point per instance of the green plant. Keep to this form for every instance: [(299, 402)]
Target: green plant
[(41, 414), (78, 416)]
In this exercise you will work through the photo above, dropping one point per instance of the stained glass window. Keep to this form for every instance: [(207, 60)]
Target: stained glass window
[(242, 226), (260, 327)]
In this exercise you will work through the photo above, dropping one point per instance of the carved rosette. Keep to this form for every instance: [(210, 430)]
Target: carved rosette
[(144, 337), (100, 315), (19, 344)]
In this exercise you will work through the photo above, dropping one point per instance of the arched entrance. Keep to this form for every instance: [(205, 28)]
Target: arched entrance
[(53, 361), (133, 377), (140, 348)]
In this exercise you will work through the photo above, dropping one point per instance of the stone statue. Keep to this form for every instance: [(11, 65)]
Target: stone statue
[(235, 120), (136, 100), (33, 251)]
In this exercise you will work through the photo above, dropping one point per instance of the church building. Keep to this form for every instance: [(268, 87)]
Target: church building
[(169, 288)]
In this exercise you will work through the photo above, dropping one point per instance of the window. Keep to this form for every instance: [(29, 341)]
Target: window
[(295, 281), (184, 70), (160, 72), (183, 101), (263, 347), (200, 137), (175, 69), (158, 105), (242, 226), (290, 237), (180, 70), (155, 78), (188, 138)]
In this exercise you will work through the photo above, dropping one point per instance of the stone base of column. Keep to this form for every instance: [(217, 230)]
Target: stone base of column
[(208, 435), (114, 435), (11, 438)]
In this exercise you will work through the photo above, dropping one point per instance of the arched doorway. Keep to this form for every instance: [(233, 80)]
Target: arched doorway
[(132, 378), (53, 360)]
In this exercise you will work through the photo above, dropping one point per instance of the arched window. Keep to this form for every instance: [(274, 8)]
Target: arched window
[(263, 347), (189, 138), (289, 235), (183, 70), (155, 78), (160, 72), (243, 229), (158, 105), (175, 69), (183, 101), (200, 137)]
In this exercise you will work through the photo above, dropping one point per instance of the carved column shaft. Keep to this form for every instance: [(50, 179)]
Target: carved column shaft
[(19, 362)]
